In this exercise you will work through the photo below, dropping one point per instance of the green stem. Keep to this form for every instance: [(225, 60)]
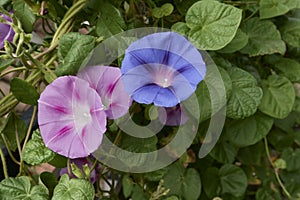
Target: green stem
[(12, 70), (3, 164), (9, 151), (29, 127), (276, 170)]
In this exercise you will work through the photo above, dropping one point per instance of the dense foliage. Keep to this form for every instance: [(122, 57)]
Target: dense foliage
[(254, 43)]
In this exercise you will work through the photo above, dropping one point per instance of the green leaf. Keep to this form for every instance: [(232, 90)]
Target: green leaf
[(184, 183), (233, 180), (183, 6), (164, 10), (245, 132), (78, 189), (278, 98), (138, 193), (35, 151), (224, 152), (292, 158), (73, 49), (127, 184), (14, 124), (267, 194), (263, 36), (290, 32), (20, 189), (239, 41), (23, 12), (110, 21), (213, 24), (59, 161), (211, 182), (272, 8), (49, 180), (212, 95), (252, 155), (5, 63), (287, 67), (181, 28), (24, 91), (245, 96)]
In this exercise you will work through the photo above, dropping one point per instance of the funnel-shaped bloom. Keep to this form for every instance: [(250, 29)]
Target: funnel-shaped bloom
[(6, 31), (106, 81), (71, 117), (162, 68)]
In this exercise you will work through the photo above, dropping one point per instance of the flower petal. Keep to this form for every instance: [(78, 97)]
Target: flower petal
[(71, 117), (106, 81), (173, 116)]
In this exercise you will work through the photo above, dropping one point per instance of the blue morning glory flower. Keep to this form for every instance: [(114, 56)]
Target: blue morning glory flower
[(162, 68)]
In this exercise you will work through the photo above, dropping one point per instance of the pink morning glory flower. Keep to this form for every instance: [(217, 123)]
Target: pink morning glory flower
[(106, 81), (162, 68), (71, 117), (6, 31), (172, 116)]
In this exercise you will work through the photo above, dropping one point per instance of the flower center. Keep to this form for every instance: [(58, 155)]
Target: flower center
[(163, 76), (82, 116)]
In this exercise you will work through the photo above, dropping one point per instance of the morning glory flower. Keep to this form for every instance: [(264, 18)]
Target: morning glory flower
[(7, 33), (172, 116), (106, 81), (71, 117), (162, 68)]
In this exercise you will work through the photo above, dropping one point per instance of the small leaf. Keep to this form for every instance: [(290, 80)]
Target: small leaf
[(35, 151), (184, 183), (245, 132), (290, 32), (292, 158), (78, 189), (5, 63), (138, 194), (110, 21), (14, 126), (19, 189), (24, 14), (224, 152), (245, 96), (24, 91), (127, 184), (164, 10), (49, 180), (263, 36), (213, 24), (272, 8), (278, 98), (211, 182), (233, 180), (73, 49), (239, 41)]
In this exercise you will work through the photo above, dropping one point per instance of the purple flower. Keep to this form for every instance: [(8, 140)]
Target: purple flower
[(71, 118), (106, 81), (173, 116), (162, 68), (6, 31), (79, 162)]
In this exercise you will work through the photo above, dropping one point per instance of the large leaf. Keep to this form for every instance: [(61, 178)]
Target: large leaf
[(73, 49), (78, 189), (211, 182), (292, 158), (290, 31), (213, 24), (110, 21), (35, 151), (245, 132), (24, 14), (233, 180), (24, 91), (224, 152), (278, 98), (272, 8), (239, 41), (181, 27), (20, 189), (263, 36), (245, 96), (289, 68), (14, 127), (184, 183)]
